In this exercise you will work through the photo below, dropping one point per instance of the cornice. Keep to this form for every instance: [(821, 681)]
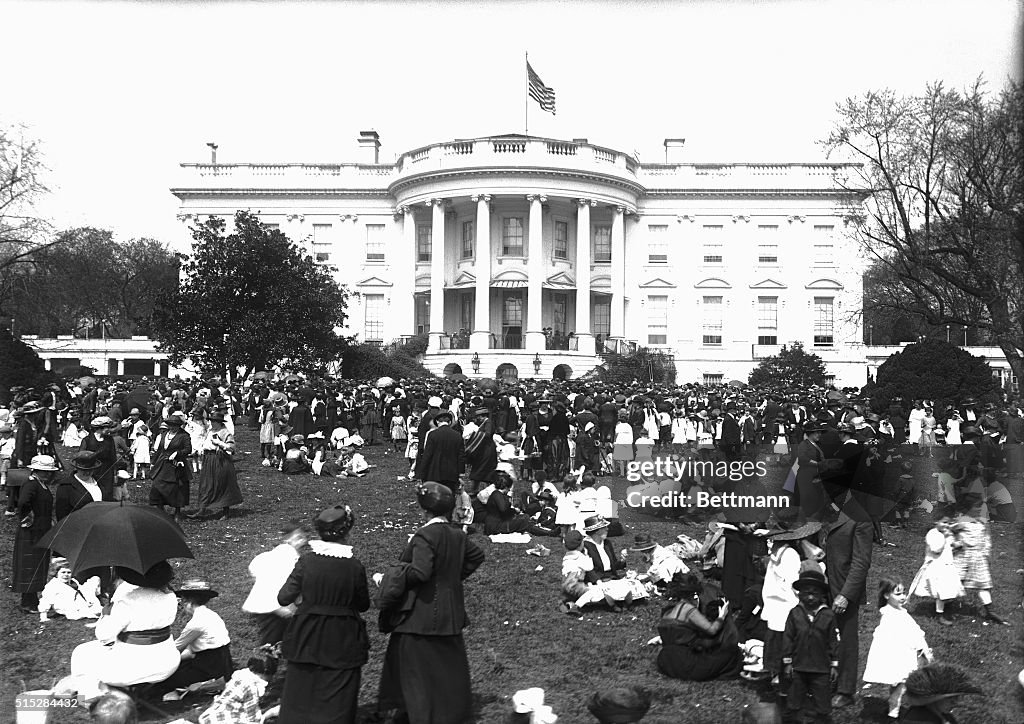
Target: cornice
[(752, 193), (285, 193), (511, 171)]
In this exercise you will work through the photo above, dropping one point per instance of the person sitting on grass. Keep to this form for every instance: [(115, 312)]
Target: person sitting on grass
[(500, 516), (204, 643), (239, 703), (295, 461), (696, 645), (658, 564), (66, 597)]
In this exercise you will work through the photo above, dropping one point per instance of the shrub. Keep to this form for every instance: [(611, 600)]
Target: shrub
[(20, 366), (791, 367)]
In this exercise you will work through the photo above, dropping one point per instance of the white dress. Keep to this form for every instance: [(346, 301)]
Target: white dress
[(124, 664), (894, 648), (938, 576), (953, 432)]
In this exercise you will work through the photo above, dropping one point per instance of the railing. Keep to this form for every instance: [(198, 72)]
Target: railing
[(509, 146), (561, 149), (459, 148), (506, 341), (556, 342), (459, 341)]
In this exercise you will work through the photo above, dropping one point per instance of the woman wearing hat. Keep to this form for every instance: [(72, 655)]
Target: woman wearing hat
[(696, 645), (218, 484), (134, 644), (204, 643), (659, 563), (170, 473), (809, 457), (100, 441), (325, 643), (426, 672), (622, 453), (35, 513), (77, 489)]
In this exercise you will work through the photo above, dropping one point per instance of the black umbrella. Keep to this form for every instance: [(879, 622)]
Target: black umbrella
[(112, 534)]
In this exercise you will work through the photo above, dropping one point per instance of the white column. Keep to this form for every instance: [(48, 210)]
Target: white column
[(480, 340), (618, 321), (585, 340), (436, 275), (404, 264), (120, 366), (535, 270), (156, 368)]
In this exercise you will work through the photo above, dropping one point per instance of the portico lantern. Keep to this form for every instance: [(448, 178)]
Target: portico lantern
[(476, 363), (536, 364)]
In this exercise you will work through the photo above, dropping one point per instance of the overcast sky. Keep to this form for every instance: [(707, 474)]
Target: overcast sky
[(120, 93)]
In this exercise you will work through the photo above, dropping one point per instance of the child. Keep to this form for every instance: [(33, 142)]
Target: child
[(810, 649), (6, 453), (268, 431), (568, 506), (949, 476), (904, 495), (72, 436), (399, 431), (64, 596), (239, 703), (938, 577), (412, 448), (338, 436), (575, 566), (140, 453), (896, 645), (198, 429), (971, 550), (678, 431)]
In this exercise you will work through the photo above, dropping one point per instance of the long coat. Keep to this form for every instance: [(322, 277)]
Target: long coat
[(848, 557), (170, 473), (31, 564), (70, 496), (106, 454), (442, 457)]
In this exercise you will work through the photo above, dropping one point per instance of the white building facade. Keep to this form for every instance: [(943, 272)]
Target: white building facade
[(524, 257)]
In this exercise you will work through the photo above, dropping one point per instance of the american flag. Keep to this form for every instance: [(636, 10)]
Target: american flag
[(539, 92)]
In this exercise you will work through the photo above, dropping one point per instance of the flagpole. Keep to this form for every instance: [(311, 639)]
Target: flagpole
[(526, 122)]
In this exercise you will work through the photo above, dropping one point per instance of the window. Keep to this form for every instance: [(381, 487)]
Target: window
[(467, 305), (657, 319), (767, 320), (824, 250), (512, 236), (561, 242), (424, 242), (657, 244), (602, 244), (422, 313), (322, 242), (823, 322), (712, 326), (558, 308), (714, 379), (375, 242), (603, 318), (712, 244), (272, 227), (767, 244), (468, 239), (830, 380), (512, 321), (373, 326)]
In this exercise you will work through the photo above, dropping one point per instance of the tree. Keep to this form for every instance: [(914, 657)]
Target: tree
[(20, 366), (943, 219), (931, 370), (251, 299), (643, 364), (89, 284), (791, 367)]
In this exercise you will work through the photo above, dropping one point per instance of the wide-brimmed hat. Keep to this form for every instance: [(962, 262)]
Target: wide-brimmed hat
[(31, 406), (196, 587), (620, 705), (444, 415), (176, 418), (847, 428), (44, 462), (336, 521), (594, 522), (811, 578), (216, 416), (643, 542), (101, 421), (782, 533), (435, 498), (158, 576), (812, 427), (85, 460), (434, 401)]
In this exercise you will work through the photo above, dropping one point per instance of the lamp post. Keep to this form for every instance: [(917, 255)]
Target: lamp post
[(536, 364), (965, 335), (947, 334), (476, 363), (871, 335)]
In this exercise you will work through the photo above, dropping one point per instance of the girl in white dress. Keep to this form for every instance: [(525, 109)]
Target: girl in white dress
[(938, 576), (953, 429), (896, 645)]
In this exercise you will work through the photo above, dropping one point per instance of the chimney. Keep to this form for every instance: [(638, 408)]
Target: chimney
[(369, 147), (213, 152), (674, 150)]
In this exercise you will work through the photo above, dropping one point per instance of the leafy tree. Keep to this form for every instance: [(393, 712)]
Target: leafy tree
[(89, 284), (20, 366), (644, 365), (366, 361), (932, 370), (252, 299), (791, 367), (942, 172)]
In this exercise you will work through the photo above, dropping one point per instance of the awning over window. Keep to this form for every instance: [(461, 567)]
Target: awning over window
[(508, 283)]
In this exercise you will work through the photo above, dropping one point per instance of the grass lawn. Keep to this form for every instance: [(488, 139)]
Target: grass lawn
[(517, 637)]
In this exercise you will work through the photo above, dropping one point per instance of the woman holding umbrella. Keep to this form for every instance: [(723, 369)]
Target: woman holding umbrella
[(35, 511), (218, 485)]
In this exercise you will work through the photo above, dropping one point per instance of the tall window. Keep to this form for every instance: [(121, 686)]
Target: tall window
[(824, 249), (373, 326), (422, 313), (767, 244), (424, 243), (657, 244), (823, 322), (712, 325), (321, 242), (468, 239), (713, 379), (512, 320), (712, 244), (767, 320), (272, 227), (512, 236), (560, 250), (467, 306), (602, 244), (603, 317), (375, 242), (558, 308), (657, 319)]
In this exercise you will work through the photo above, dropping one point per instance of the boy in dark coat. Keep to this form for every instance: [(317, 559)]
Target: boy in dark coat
[(810, 649)]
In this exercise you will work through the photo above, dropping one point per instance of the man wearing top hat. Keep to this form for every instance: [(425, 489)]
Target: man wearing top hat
[(78, 488), (170, 473), (443, 455)]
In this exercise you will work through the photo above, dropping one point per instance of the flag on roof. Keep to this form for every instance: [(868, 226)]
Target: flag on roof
[(541, 93)]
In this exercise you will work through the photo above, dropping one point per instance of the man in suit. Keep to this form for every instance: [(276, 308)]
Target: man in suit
[(443, 455), (78, 488), (170, 473), (730, 440), (847, 536)]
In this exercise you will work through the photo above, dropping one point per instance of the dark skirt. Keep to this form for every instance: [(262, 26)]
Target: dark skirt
[(218, 485), (206, 665), (682, 662), (428, 678), (31, 564), (315, 695)]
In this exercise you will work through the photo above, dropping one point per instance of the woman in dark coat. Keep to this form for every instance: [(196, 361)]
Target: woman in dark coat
[(325, 643), (218, 484), (426, 672), (101, 442), (300, 420), (558, 443), (500, 516), (35, 513), (695, 647)]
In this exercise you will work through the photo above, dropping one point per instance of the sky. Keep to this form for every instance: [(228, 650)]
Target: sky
[(120, 93)]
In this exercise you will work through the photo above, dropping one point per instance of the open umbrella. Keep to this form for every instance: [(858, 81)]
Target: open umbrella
[(385, 382), (836, 395), (292, 378), (737, 383), (458, 377), (486, 383), (112, 534), (262, 375), (87, 381)]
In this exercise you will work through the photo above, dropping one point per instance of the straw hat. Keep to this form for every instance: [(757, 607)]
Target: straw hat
[(196, 587), (594, 522), (44, 463)]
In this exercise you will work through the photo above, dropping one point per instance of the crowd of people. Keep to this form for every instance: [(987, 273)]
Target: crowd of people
[(778, 600)]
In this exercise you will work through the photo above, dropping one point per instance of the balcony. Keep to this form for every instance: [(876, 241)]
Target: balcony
[(507, 341)]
